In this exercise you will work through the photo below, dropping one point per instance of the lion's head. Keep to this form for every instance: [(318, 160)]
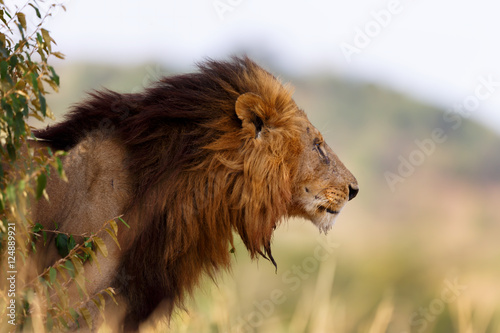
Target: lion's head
[(286, 168), (280, 138), (222, 150)]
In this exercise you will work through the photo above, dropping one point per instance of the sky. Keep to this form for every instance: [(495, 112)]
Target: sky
[(444, 52)]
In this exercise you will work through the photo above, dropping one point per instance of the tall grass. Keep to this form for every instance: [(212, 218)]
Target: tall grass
[(323, 302)]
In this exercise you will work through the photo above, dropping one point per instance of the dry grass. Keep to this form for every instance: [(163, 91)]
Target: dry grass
[(389, 275)]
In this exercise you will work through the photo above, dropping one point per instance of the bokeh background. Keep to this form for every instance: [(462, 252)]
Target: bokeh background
[(406, 92)]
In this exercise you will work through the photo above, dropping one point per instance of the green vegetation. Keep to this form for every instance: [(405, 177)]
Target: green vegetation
[(31, 300)]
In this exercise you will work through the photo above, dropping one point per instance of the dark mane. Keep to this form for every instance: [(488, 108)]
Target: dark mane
[(174, 110), (192, 188)]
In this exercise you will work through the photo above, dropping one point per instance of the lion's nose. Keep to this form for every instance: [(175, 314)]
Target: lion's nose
[(353, 191)]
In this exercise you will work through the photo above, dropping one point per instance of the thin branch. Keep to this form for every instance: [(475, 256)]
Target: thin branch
[(73, 251)]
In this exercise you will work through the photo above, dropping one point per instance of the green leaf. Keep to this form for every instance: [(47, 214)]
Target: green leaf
[(87, 250), (43, 103), (124, 222), (37, 227), (6, 12), (21, 30), (69, 266), (12, 151), (19, 129), (43, 281), (36, 10), (74, 314), (41, 182), (62, 245), (34, 81), (24, 104), (21, 185), (54, 76), (50, 322), (11, 193), (16, 103), (52, 275), (71, 243), (60, 169), (4, 66), (8, 108), (13, 61)]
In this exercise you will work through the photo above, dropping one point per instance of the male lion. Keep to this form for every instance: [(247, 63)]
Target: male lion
[(187, 162)]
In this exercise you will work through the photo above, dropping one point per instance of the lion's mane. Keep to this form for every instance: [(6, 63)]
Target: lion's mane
[(197, 174)]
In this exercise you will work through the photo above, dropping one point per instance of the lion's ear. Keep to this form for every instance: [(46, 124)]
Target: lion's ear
[(249, 110)]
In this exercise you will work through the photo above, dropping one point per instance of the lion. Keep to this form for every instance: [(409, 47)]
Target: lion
[(188, 163)]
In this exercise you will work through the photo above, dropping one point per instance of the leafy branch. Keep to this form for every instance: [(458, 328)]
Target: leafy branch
[(69, 269)]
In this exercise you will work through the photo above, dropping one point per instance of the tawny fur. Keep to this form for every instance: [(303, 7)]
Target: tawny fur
[(191, 160)]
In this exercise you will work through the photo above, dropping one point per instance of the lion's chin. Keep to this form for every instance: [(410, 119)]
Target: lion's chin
[(325, 221), (324, 218)]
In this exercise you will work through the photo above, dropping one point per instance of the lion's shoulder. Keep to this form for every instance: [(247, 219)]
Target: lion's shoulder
[(97, 189)]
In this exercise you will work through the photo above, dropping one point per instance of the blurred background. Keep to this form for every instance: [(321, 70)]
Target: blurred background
[(407, 93)]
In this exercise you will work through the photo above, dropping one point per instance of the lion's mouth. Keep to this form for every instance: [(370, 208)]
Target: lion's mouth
[(328, 210)]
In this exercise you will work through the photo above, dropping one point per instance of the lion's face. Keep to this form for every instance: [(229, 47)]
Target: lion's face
[(293, 155), (323, 185)]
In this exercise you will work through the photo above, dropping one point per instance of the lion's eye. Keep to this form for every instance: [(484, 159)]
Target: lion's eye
[(317, 147)]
